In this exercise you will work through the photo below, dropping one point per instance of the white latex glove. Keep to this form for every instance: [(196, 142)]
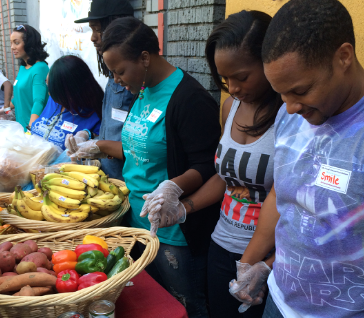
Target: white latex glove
[(250, 285), (163, 206), (72, 141), (89, 150)]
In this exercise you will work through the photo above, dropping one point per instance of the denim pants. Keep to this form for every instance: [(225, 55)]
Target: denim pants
[(221, 270), (271, 309), (182, 275)]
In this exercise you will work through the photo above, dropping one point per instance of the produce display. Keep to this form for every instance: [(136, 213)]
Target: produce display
[(77, 193), (26, 270)]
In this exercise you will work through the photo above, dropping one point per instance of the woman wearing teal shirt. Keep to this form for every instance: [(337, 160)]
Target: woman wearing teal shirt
[(30, 89), (169, 138)]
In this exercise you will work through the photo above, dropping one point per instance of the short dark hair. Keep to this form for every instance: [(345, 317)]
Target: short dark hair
[(314, 29), (72, 85), (132, 36), (244, 31), (104, 22), (33, 45)]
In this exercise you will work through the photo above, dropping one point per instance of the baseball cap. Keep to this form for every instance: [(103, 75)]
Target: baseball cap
[(104, 8)]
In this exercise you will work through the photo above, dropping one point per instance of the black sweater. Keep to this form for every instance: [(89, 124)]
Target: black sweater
[(193, 132)]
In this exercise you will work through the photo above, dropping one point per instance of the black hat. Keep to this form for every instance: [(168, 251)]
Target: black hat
[(105, 8)]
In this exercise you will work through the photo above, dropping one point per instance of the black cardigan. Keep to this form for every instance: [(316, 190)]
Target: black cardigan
[(193, 133)]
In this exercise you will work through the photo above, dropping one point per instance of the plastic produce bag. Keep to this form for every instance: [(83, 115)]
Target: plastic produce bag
[(20, 154), (8, 115)]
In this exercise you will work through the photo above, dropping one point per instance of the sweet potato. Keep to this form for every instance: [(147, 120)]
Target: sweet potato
[(7, 274), (20, 250), (47, 251), (39, 291), (27, 291), (7, 261), (31, 279), (44, 270), (26, 267), (39, 259), (6, 246), (33, 246)]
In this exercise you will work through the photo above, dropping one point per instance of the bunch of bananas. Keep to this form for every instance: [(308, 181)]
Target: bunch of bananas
[(78, 193)]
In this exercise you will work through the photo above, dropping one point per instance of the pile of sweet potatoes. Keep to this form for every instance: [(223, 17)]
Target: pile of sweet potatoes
[(26, 269)]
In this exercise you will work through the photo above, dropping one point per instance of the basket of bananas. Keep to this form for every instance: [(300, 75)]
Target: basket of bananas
[(78, 197)]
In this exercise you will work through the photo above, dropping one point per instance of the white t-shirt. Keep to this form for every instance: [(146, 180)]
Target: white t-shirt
[(3, 79), (319, 182)]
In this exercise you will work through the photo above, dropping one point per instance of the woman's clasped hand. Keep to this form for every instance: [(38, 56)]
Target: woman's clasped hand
[(163, 206)]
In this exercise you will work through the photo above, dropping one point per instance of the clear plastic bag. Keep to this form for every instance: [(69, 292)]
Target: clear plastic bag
[(9, 115), (20, 154)]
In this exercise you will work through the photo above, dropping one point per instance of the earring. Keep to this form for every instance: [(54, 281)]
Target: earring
[(141, 93)]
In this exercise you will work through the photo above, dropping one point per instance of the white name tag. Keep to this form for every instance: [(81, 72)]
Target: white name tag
[(154, 115), (69, 126), (333, 178), (118, 114), (16, 81)]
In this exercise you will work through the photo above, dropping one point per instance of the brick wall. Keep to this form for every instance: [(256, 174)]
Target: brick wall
[(184, 26), (15, 10)]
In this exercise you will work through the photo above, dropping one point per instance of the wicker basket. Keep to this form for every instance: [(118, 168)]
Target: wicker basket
[(112, 219), (54, 305)]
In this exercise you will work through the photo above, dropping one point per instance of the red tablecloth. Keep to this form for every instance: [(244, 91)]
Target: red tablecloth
[(147, 299)]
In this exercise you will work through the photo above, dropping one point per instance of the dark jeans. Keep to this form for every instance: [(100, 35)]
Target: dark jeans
[(271, 309), (221, 269), (182, 275)]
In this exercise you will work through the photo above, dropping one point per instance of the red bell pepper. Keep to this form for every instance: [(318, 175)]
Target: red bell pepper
[(67, 281), (82, 248), (91, 279), (106, 252)]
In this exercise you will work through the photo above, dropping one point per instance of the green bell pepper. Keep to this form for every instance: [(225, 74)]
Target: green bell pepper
[(113, 257), (91, 261)]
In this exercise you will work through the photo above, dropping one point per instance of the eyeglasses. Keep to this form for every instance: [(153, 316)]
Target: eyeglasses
[(19, 27)]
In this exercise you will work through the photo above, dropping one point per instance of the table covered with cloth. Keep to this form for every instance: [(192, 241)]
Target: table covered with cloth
[(147, 299)]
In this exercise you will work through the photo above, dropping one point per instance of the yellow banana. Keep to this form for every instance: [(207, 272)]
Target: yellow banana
[(109, 205), (68, 183), (103, 213), (101, 173), (105, 196), (94, 209), (79, 168), (95, 176), (92, 191), (63, 201), (124, 190), (82, 208), (57, 207), (52, 214), (99, 193), (38, 198), (38, 188), (33, 204), (27, 212), (85, 178), (68, 193)]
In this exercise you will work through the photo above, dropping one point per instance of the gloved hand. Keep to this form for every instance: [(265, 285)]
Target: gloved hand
[(163, 206), (89, 150), (72, 141), (250, 285)]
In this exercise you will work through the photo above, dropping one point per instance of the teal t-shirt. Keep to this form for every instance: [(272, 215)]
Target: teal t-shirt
[(145, 150), (30, 92)]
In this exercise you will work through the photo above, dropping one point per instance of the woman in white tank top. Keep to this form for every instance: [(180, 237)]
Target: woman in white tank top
[(243, 160)]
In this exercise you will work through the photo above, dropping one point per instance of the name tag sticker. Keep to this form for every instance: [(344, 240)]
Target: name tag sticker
[(118, 114), (154, 115), (333, 178), (16, 81), (69, 126)]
